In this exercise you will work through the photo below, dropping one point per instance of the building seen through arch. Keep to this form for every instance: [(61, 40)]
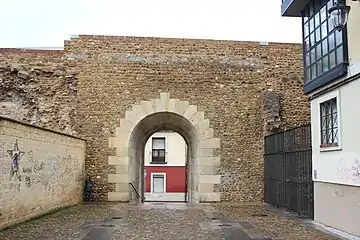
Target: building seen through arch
[(165, 167)]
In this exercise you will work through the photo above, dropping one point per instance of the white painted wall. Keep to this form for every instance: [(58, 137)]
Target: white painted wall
[(175, 148), (341, 165)]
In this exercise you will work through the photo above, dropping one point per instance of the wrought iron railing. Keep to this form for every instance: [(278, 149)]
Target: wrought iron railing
[(288, 171), (134, 189)]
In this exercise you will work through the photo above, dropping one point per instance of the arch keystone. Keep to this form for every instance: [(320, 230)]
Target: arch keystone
[(164, 100)]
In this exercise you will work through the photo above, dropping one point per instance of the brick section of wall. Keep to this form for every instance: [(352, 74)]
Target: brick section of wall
[(225, 79), (48, 174), (38, 87), (228, 80)]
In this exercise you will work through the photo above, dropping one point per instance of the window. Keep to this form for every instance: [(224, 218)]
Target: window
[(158, 150), (329, 123), (158, 183), (325, 49)]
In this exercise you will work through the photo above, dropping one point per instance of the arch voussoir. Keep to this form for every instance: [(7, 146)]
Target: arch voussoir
[(190, 112), (147, 107)]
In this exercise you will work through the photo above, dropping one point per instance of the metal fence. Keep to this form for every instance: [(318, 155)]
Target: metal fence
[(288, 171)]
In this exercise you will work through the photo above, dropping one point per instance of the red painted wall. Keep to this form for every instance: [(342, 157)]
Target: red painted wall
[(175, 177)]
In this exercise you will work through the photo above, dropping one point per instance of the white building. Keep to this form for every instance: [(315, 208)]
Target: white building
[(332, 73), (165, 166)]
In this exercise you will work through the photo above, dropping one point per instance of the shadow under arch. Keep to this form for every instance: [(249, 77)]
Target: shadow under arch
[(149, 118)]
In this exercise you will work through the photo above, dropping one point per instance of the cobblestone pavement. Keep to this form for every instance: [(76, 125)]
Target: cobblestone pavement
[(163, 221)]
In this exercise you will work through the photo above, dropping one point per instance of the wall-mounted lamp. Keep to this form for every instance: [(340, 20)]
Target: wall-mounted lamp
[(339, 14)]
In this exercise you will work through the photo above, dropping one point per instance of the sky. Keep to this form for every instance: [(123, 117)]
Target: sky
[(47, 23)]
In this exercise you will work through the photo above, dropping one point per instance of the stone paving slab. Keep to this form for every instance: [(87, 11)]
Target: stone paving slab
[(163, 221)]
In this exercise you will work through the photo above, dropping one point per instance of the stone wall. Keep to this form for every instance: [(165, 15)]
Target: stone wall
[(228, 80), (38, 87), (245, 89), (47, 174)]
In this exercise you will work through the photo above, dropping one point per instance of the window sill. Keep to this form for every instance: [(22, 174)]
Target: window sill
[(158, 163), (330, 147), (325, 79)]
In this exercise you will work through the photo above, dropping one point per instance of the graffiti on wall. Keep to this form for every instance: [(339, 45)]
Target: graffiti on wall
[(349, 170), (16, 156), (55, 171)]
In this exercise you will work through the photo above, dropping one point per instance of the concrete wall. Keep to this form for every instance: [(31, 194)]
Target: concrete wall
[(175, 149), (49, 172), (337, 172)]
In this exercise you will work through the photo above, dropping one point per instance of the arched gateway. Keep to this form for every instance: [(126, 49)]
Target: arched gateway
[(164, 114)]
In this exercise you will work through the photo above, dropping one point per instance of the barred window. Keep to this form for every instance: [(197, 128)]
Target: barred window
[(329, 123)]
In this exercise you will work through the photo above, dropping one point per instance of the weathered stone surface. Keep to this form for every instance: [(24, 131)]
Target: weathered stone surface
[(226, 80), (33, 89), (272, 112), (23, 75)]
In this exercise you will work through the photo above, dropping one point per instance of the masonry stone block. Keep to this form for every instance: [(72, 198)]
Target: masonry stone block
[(132, 117), (205, 161), (164, 101), (203, 152), (206, 134), (209, 197), (125, 152), (147, 107), (216, 179), (197, 118), (126, 125), (118, 196), (116, 160), (206, 187), (118, 178), (139, 112), (190, 112), (209, 143), (182, 107), (122, 169), (122, 187), (173, 104)]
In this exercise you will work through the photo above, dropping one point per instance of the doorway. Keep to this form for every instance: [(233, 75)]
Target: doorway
[(165, 167)]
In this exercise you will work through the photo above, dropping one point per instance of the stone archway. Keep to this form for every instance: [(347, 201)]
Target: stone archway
[(164, 114)]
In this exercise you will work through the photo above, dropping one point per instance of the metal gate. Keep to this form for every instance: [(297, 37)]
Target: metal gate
[(288, 171)]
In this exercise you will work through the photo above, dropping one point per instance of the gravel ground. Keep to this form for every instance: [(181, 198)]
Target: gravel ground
[(162, 221)]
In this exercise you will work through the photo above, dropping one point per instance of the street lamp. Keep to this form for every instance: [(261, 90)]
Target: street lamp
[(339, 14)]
